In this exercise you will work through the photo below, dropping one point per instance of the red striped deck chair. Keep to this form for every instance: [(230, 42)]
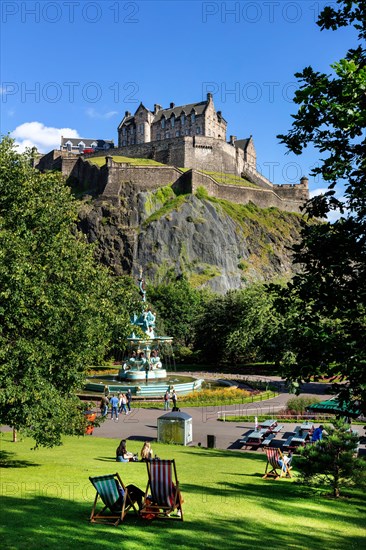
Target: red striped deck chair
[(115, 498), (162, 495), (276, 461)]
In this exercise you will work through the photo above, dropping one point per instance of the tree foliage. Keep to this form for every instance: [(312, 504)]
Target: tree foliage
[(236, 326), (333, 460), (324, 307), (178, 305), (59, 310)]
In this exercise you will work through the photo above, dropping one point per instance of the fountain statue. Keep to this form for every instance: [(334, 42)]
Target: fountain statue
[(143, 372), (143, 362)]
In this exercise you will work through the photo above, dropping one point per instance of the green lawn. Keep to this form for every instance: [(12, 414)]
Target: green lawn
[(231, 179), (100, 161), (47, 498)]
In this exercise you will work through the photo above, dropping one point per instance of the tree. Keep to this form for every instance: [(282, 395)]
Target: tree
[(333, 460), (236, 326), (178, 305), (327, 329), (58, 310)]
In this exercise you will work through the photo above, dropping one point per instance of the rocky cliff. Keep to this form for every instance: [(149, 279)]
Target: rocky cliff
[(214, 242)]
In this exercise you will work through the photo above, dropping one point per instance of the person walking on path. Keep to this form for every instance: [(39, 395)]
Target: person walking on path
[(114, 406), (122, 403), (129, 400), (174, 399), (104, 402), (166, 401)]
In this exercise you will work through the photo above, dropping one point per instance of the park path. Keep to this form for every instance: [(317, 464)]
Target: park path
[(141, 424)]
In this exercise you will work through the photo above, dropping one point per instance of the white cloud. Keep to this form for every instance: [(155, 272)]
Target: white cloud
[(36, 134), (92, 113), (333, 215), (318, 191)]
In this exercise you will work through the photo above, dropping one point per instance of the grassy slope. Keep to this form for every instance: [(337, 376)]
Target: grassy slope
[(231, 179), (100, 161), (47, 499)]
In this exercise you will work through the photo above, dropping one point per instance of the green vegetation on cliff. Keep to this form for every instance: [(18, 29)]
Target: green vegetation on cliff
[(169, 203), (271, 219)]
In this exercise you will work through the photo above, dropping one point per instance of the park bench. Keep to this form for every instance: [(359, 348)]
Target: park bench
[(268, 439), (287, 443), (276, 429)]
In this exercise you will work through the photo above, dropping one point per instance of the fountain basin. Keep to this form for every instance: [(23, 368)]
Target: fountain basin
[(141, 374), (153, 388)]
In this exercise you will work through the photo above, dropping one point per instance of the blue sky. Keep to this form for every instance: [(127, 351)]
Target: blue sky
[(74, 67)]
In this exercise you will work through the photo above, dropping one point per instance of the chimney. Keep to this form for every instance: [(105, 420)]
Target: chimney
[(209, 96), (127, 113), (157, 108), (232, 140), (172, 105)]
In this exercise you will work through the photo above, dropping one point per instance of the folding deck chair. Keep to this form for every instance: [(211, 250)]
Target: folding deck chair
[(273, 461), (162, 495), (114, 495)]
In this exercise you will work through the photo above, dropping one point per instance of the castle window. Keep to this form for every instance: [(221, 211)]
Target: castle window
[(187, 132), (124, 131), (167, 135), (177, 133), (193, 118), (198, 130), (163, 122), (182, 120), (172, 121), (141, 128), (158, 137), (124, 143)]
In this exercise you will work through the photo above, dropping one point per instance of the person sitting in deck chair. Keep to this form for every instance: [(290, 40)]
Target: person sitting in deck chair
[(286, 461)]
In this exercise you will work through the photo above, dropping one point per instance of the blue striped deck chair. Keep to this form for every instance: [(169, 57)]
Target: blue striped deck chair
[(114, 496), (162, 495), (276, 461)]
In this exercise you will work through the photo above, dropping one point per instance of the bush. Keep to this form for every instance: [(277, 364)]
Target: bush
[(332, 461), (297, 405), (220, 396)]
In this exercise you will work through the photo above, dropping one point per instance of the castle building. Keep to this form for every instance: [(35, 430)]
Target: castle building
[(164, 128), (78, 145), (189, 141), (199, 119)]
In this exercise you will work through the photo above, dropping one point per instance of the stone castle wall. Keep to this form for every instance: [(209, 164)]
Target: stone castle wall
[(264, 198), (199, 152), (109, 180)]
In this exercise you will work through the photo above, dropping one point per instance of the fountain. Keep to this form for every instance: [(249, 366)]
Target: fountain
[(143, 371)]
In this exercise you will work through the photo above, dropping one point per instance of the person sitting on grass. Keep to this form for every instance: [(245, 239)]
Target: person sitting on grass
[(122, 455), (146, 452)]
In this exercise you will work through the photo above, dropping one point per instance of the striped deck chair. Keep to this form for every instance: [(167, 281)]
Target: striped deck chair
[(162, 495), (114, 495), (274, 456)]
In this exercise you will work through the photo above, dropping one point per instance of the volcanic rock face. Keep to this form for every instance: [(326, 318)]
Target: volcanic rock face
[(214, 243)]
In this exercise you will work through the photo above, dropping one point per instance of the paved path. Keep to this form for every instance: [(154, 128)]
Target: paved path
[(141, 424)]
